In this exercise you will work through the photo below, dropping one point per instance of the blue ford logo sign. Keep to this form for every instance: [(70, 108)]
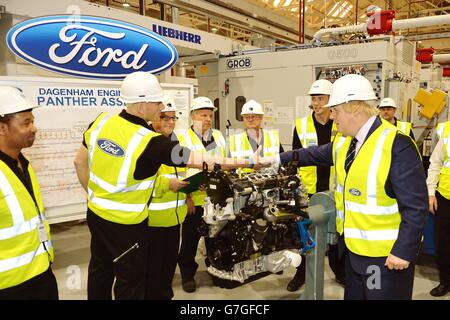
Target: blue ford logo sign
[(110, 147), (90, 47), (354, 192)]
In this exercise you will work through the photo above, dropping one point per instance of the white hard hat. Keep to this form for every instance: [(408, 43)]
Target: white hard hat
[(202, 103), (388, 102), (320, 87), (351, 87), (169, 105), (12, 100), (252, 107), (141, 87)]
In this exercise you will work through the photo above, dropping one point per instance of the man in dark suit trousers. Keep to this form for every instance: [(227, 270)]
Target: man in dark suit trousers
[(381, 194)]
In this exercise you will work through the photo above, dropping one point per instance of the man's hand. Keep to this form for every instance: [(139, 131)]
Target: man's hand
[(177, 184), (396, 263), (432, 204), (260, 162), (191, 206)]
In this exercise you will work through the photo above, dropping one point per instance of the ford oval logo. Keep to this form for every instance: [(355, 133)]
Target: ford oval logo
[(90, 47), (355, 192), (110, 147)]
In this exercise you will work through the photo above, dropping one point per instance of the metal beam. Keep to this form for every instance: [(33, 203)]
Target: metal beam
[(256, 20)]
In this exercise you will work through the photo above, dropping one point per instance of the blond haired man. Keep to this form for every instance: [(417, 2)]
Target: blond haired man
[(381, 195)]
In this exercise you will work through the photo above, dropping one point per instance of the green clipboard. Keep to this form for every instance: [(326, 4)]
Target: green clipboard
[(195, 181)]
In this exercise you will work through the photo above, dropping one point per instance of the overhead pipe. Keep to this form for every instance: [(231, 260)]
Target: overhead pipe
[(426, 55), (382, 22), (443, 58), (421, 22)]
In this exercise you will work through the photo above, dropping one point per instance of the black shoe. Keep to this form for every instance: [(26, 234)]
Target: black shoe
[(295, 283), (189, 285), (340, 280), (440, 290)]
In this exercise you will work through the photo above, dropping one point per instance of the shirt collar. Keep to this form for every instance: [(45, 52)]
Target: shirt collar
[(11, 162), (362, 133)]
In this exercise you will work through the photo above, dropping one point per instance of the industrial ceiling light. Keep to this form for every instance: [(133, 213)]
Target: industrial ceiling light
[(125, 4)]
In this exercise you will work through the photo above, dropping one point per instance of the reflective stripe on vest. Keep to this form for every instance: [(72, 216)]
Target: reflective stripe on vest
[(240, 146), (307, 135), (404, 127), (114, 205), (24, 259), (193, 142), (339, 192), (122, 180), (170, 209), (370, 217), (112, 189), (19, 221), (166, 205), (443, 132)]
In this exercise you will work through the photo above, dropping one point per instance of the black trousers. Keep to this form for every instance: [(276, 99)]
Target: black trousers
[(108, 241), (189, 243), (367, 278), (163, 248), (41, 287), (442, 238)]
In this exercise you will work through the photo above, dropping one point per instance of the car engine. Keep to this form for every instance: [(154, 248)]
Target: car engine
[(254, 223)]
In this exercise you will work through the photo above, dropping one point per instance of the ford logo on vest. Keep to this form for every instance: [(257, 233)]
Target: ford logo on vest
[(90, 47), (110, 147), (354, 192)]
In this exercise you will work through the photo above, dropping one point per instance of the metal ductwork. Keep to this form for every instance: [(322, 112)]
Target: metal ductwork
[(244, 15)]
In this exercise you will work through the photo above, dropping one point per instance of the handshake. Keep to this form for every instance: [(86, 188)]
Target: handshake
[(257, 162), (196, 160)]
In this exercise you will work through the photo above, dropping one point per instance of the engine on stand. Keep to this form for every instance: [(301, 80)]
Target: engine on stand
[(254, 223)]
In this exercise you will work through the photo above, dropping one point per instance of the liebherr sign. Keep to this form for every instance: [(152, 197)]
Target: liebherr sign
[(90, 47)]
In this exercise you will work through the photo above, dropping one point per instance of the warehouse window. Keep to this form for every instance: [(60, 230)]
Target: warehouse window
[(239, 102)]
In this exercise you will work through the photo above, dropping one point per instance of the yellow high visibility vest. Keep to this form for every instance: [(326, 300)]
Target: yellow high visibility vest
[(365, 214), (22, 255), (308, 137), (443, 132), (240, 146), (170, 209), (404, 127), (114, 146), (193, 142)]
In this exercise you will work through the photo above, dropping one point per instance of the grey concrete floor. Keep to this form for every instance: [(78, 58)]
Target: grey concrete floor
[(71, 242)]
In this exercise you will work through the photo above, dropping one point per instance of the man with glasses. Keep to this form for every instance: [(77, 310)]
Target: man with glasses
[(244, 144), (166, 214), (315, 130)]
